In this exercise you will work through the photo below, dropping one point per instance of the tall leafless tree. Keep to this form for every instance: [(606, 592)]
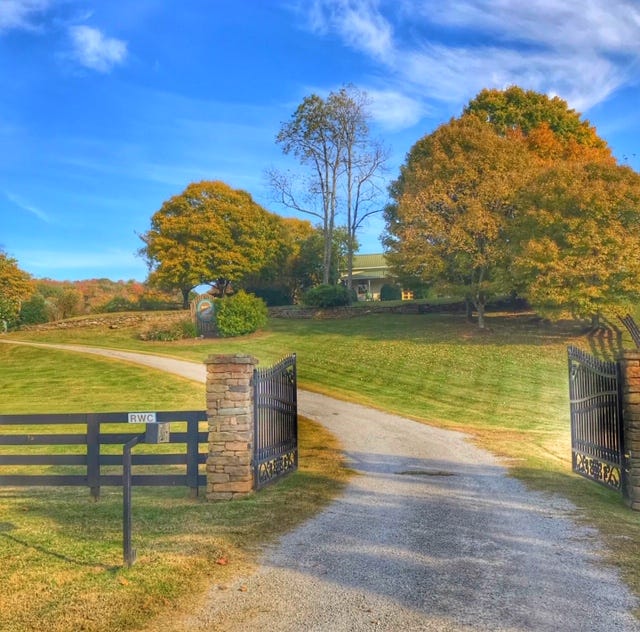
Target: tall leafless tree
[(332, 138)]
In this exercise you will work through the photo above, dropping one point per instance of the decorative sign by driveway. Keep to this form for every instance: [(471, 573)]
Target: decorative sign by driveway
[(203, 313), (205, 310)]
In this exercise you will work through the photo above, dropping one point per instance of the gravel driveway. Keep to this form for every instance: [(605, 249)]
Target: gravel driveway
[(431, 535)]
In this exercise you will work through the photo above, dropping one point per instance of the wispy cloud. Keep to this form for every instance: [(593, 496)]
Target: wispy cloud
[(93, 50), (581, 50), (394, 110), (29, 208), (610, 26), (455, 75), (21, 14), (359, 23)]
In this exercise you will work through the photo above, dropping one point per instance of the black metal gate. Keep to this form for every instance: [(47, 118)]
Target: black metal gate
[(275, 421), (596, 418)]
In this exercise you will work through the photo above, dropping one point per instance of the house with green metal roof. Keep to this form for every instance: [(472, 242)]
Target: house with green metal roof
[(370, 273)]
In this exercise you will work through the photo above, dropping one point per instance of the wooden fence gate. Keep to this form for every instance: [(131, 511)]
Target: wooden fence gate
[(596, 418)]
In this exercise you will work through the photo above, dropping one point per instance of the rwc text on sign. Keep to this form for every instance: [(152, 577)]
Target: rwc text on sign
[(142, 418)]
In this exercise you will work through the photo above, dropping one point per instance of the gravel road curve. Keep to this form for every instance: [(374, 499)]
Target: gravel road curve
[(431, 535)]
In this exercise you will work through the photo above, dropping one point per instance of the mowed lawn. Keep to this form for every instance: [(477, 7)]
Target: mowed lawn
[(506, 387), (61, 553), (434, 368)]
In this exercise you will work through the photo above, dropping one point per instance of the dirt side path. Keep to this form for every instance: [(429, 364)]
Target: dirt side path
[(432, 535)]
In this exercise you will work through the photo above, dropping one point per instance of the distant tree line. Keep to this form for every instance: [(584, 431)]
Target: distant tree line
[(25, 300)]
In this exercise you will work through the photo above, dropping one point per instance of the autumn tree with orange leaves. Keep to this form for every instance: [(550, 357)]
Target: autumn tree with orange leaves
[(16, 286), (579, 247), (210, 234), (519, 193), (448, 225)]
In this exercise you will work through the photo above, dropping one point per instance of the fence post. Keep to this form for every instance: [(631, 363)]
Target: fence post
[(630, 373), (230, 418), (93, 455), (128, 553)]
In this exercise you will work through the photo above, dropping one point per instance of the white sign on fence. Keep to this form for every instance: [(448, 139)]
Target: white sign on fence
[(142, 418)]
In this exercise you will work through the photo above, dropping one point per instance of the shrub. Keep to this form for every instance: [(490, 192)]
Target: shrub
[(240, 314), (118, 304), (34, 311), (389, 292), (189, 329), (151, 301), (327, 296)]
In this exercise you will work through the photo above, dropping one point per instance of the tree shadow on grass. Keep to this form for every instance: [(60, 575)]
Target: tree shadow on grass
[(59, 556), (607, 340)]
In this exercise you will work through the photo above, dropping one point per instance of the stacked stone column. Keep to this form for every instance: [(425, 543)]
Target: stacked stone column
[(230, 417), (630, 372)]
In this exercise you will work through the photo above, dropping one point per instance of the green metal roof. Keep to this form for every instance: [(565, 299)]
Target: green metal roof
[(370, 267), (369, 261)]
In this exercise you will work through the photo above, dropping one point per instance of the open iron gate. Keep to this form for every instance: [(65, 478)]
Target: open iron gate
[(596, 418), (276, 421)]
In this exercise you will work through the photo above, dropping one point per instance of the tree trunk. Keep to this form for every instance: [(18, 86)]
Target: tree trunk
[(480, 308), (350, 261), (326, 256), (185, 297), (468, 303)]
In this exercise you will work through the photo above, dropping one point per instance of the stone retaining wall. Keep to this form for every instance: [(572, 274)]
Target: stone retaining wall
[(113, 321)]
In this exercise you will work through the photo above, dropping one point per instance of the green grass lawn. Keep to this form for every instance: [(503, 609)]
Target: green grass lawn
[(507, 387), (61, 566)]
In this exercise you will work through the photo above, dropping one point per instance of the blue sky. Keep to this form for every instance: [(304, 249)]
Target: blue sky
[(109, 108)]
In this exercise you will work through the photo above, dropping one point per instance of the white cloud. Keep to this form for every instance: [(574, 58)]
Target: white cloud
[(393, 109), (25, 206), (572, 24), (94, 50), (455, 75), (429, 50), (21, 14), (358, 22)]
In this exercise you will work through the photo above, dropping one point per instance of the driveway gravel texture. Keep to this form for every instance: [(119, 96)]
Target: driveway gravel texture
[(432, 534)]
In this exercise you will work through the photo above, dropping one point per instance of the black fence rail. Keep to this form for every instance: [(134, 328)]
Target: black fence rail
[(275, 421), (82, 449), (596, 418)]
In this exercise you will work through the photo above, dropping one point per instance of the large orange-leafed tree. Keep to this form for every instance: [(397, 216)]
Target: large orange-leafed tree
[(210, 234), (519, 193), (453, 203)]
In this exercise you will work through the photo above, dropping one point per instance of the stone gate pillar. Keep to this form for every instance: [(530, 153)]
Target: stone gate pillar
[(230, 417), (630, 373)]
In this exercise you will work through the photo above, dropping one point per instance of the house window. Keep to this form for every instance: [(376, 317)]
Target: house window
[(407, 295)]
